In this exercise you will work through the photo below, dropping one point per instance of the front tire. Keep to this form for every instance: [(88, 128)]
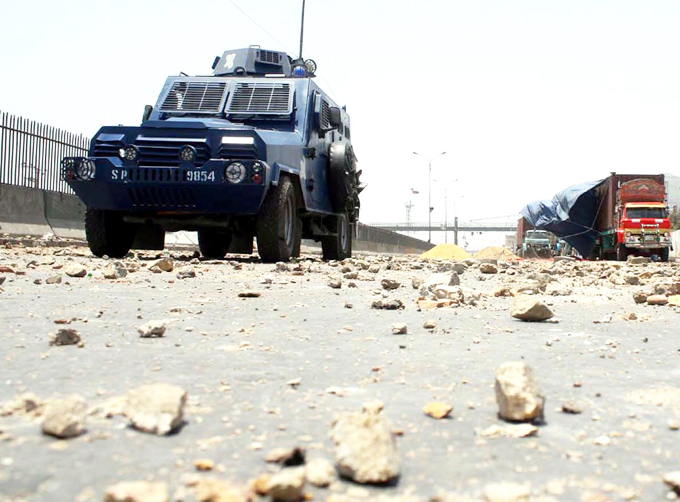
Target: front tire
[(621, 253), (213, 243), (338, 246), (107, 234), (279, 230), (664, 254)]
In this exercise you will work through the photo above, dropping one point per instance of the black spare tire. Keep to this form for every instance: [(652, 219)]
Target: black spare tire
[(342, 178)]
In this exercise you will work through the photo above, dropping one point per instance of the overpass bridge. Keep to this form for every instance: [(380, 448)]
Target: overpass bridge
[(465, 226)]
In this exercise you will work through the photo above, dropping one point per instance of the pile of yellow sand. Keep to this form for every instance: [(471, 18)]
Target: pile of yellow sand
[(496, 253), (446, 252)]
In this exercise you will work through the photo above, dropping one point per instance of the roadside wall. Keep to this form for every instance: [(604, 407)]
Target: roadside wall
[(29, 211)]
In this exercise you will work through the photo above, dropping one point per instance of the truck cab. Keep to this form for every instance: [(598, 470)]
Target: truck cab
[(645, 226), (255, 150)]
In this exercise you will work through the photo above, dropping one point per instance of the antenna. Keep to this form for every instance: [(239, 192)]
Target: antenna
[(302, 28)]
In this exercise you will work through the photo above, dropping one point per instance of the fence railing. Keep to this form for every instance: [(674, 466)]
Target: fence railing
[(31, 153)]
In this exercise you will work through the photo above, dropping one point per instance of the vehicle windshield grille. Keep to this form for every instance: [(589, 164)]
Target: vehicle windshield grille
[(194, 97), (261, 98)]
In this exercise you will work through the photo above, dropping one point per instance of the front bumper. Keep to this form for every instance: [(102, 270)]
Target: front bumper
[(647, 241), (110, 184)]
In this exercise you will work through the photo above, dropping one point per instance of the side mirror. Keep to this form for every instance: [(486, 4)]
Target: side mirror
[(147, 113), (334, 117)]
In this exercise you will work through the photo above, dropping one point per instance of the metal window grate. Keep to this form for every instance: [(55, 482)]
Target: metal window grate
[(325, 114), (261, 98), (195, 96), (269, 57)]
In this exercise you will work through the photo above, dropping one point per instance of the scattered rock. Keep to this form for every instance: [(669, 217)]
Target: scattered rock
[(365, 447), (335, 283), (24, 404), (204, 464), (75, 270), (488, 268), (672, 479), (162, 265), (387, 305), (288, 457), (216, 490), (572, 408), (115, 270), (287, 485), (54, 279), (429, 324), (320, 472), (153, 329), (507, 492), (437, 409), (156, 408), (137, 491), (65, 336), (510, 431), (186, 273), (249, 293), (390, 284), (657, 300), (527, 308), (517, 394), (65, 418), (399, 328)]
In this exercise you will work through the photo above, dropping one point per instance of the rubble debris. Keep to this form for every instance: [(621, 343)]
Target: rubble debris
[(204, 464), (320, 472), (288, 457), (488, 268), (115, 270), (217, 490), (153, 329), (437, 409), (162, 265), (445, 252), (390, 284), (509, 431), (387, 305), (137, 491), (365, 447), (672, 479), (657, 300), (399, 328), (429, 324), (287, 485), (75, 270), (156, 408), (517, 394), (507, 492), (528, 308), (65, 336), (249, 293), (65, 418), (335, 283)]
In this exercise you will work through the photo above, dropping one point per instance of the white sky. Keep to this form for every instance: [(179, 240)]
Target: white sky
[(526, 97)]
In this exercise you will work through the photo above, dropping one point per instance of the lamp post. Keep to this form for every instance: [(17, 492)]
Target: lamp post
[(429, 192)]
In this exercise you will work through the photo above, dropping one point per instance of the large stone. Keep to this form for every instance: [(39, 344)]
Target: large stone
[(75, 270), (320, 472), (152, 329), (287, 485), (365, 447), (65, 418), (156, 408), (657, 300), (517, 394), (162, 265), (216, 490), (390, 284), (115, 270), (488, 268), (137, 491), (65, 336), (527, 308)]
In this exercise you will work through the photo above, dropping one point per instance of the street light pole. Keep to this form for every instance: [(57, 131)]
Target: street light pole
[(429, 192)]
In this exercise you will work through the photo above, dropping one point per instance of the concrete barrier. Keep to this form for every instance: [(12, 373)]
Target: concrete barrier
[(65, 214), (22, 211), (29, 211)]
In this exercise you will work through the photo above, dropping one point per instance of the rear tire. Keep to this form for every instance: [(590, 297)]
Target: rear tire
[(214, 243), (664, 254), (338, 246), (107, 234), (279, 230), (621, 253)]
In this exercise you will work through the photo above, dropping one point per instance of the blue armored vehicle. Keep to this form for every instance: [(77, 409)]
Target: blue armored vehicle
[(255, 150)]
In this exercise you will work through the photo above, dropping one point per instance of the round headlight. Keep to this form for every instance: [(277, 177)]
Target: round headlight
[(128, 153), (235, 172), (187, 153), (627, 234), (85, 169)]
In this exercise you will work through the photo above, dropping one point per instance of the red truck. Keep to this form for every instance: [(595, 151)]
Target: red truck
[(632, 217)]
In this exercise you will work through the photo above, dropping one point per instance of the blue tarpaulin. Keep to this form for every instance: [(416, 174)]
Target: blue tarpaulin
[(570, 215)]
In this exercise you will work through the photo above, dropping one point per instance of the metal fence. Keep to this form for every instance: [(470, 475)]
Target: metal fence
[(31, 153)]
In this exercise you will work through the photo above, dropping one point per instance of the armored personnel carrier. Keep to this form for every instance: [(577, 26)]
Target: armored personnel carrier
[(255, 150)]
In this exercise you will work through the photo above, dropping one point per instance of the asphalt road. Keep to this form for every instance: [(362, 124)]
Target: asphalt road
[(239, 359)]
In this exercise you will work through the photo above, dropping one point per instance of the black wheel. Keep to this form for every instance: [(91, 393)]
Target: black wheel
[(107, 233), (214, 243), (279, 230), (621, 253), (338, 246), (343, 180), (664, 254)]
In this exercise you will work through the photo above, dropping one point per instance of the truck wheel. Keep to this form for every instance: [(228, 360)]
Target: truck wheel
[(338, 246), (664, 254), (107, 233), (621, 253), (214, 243), (341, 175), (279, 230)]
